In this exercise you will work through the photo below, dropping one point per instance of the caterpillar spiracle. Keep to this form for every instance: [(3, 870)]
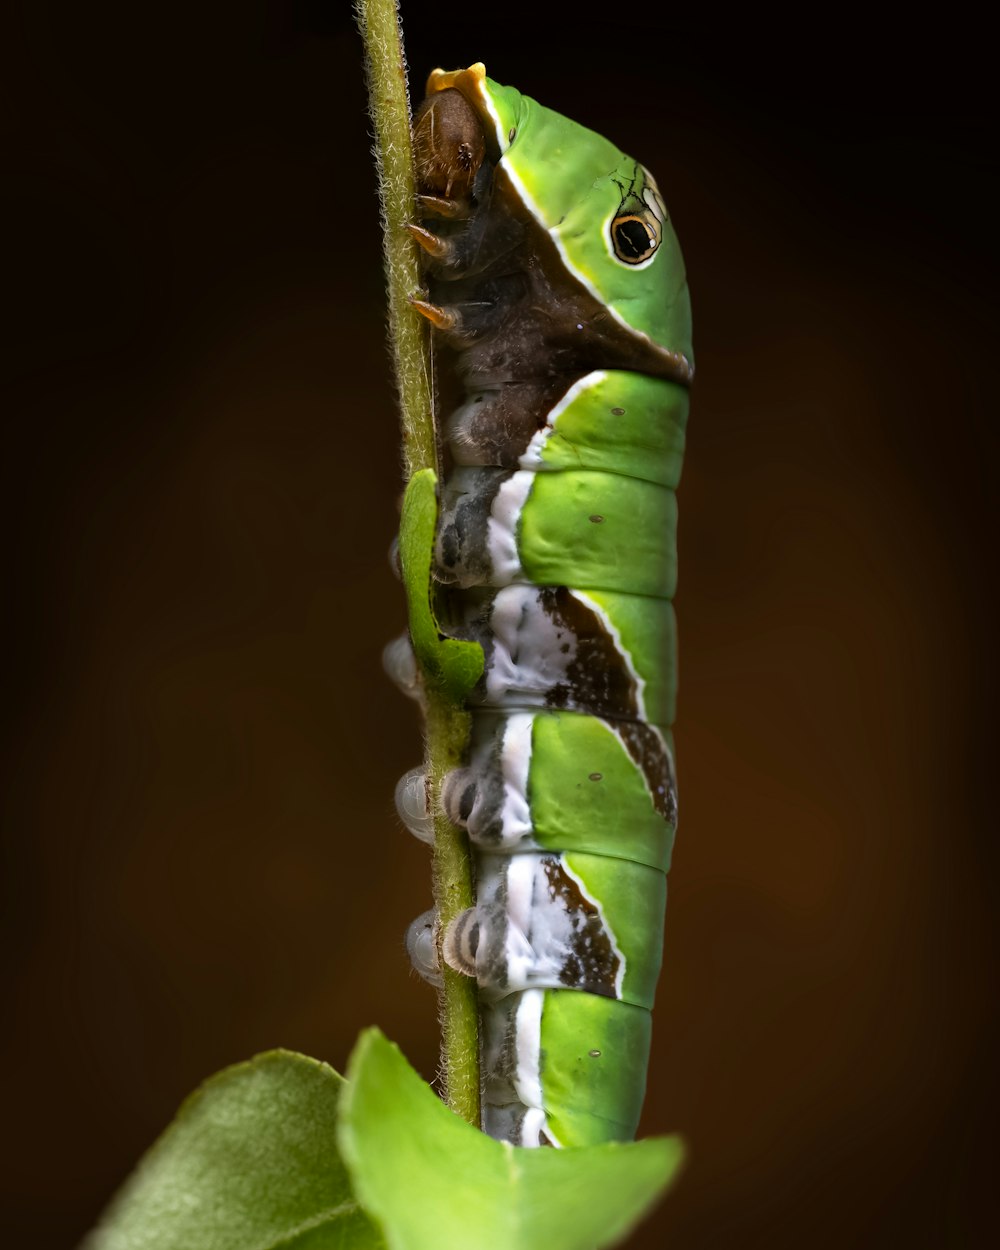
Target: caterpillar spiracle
[(555, 277)]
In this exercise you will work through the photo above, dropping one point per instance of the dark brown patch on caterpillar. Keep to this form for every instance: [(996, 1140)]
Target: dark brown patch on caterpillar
[(598, 679), (593, 963), (647, 748)]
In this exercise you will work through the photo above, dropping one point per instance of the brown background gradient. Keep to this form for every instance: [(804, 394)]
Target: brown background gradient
[(200, 480)]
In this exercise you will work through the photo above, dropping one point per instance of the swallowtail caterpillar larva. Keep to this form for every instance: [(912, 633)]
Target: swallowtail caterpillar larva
[(555, 279)]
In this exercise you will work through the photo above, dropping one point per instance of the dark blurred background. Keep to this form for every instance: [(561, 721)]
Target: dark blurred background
[(201, 473)]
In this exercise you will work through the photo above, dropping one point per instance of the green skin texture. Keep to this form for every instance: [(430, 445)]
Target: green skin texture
[(589, 801), (631, 444), (588, 795), (620, 551), (593, 1098)]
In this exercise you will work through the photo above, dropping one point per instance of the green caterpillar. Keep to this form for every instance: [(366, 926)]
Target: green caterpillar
[(555, 276)]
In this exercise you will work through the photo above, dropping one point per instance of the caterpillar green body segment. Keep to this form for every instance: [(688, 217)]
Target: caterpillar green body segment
[(564, 1067), (561, 781), (603, 528), (554, 275)]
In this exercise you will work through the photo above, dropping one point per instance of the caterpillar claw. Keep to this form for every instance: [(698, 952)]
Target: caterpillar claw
[(440, 318), (435, 247), (441, 206), (412, 807)]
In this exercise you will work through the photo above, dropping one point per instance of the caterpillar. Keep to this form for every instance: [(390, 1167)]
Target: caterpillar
[(555, 279)]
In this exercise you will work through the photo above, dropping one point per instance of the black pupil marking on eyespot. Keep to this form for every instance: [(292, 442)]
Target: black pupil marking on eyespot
[(633, 239)]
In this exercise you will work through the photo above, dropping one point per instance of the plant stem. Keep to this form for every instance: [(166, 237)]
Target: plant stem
[(389, 105), (447, 724), (447, 735)]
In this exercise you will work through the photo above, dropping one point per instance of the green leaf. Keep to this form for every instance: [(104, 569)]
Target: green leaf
[(435, 1183), (448, 665), (250, 1163)]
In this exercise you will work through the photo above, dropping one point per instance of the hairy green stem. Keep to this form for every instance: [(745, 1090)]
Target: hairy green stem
[(447, 734), (389, 104), (447, 725)]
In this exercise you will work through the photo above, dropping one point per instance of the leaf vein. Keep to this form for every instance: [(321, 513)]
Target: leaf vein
[(306, 1226)]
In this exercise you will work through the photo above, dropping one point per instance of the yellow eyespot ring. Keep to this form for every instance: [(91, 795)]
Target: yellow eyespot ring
[(635, 236)]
